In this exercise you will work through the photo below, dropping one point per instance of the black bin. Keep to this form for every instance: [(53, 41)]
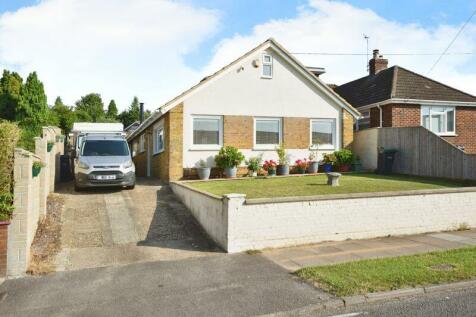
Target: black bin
[(386, 157), (65, 168)]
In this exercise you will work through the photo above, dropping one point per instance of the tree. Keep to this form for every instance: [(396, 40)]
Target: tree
[(65, 115), (91, 107), (129, 116), (10, 90), (33, 107), (112, 110)]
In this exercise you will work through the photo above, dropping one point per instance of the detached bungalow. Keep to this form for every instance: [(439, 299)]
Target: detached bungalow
[(398, 97), (261, 100)]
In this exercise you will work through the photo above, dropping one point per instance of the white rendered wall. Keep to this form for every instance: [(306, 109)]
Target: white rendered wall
[(242, 92)]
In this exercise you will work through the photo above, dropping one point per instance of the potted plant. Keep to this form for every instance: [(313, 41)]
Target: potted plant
[(36, 168), (301, 166), (328, 160), (228, 159), (344, 159), (203, 170), (313, 165), (49, 146), (283, 159), (270, 167), (254, 165)]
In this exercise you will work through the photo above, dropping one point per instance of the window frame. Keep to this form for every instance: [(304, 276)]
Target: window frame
[(267, 146), (207, 147), (155, 140), (363, 120), (141, 147), (332, 146), (270, 63), (134, 148), (445, 114)]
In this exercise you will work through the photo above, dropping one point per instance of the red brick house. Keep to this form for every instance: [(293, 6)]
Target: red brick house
[(398, 97)]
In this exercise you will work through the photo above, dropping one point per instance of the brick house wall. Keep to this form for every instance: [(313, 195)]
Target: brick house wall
[(407, 115), (237, 131)]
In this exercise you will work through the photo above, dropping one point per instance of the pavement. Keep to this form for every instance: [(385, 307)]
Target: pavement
[(295, 258), (222, 285), (107, 227)]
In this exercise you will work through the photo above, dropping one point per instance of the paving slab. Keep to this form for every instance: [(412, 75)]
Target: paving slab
[(325, 253)]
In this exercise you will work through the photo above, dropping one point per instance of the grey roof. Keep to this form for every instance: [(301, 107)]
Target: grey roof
[(398, 82)]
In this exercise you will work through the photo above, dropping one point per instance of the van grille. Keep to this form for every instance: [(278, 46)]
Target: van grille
[(106, 166)]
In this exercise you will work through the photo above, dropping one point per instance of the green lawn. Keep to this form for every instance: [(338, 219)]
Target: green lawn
[(316, 185), (368, 276)]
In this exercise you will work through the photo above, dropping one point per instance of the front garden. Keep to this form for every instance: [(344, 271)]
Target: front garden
[(316, 185)]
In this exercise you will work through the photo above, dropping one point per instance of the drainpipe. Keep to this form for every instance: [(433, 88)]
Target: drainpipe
[(381, 115)]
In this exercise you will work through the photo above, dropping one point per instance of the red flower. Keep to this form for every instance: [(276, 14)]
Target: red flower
[(302, 164), (269, 165)]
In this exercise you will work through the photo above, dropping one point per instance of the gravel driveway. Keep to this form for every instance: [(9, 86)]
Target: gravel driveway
[(104, 227)]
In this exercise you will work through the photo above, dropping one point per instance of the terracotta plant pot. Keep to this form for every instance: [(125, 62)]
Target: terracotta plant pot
[(344, 168)]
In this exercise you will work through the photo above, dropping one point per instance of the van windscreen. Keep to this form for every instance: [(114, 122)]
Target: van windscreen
[(105, 148)]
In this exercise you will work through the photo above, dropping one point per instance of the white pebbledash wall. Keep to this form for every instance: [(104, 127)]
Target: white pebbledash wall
[(262, 223), (242, 92)]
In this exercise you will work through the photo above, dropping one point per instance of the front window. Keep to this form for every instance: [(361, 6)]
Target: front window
[(267, 66), (438, 119), (159, 144), (142, 143), (105, 148), (207, 131), (364, 121), (323, 133), (267, 132)]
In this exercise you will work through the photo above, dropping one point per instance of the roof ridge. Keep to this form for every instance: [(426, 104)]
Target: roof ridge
[(435, 81), (393, 90)]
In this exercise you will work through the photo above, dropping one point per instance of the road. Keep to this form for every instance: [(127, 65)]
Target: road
[(447, 304)]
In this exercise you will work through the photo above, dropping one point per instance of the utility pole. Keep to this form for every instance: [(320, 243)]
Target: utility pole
[(366, 38)]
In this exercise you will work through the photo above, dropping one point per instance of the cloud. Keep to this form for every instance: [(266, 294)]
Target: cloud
[(119, 48), (335, 26)]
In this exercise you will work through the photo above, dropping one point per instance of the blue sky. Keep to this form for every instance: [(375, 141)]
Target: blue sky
[(156, 49)]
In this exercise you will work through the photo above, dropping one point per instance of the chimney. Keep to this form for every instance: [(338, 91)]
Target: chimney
[(377, 63), (141, 112)]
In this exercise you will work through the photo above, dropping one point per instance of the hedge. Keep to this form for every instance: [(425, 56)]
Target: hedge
[(9, 135)]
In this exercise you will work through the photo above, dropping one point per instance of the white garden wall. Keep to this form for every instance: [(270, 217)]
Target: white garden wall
[(262, 223)]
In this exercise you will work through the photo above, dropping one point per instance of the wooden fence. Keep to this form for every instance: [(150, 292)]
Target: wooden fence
[(423, 153)]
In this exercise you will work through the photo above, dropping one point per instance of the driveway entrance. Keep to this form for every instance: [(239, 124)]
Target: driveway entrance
[(104, 227)]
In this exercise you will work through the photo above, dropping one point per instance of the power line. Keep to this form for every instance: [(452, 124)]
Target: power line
[(385, 54), (452, 41)]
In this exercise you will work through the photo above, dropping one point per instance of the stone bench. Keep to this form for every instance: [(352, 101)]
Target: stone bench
[(333, 178)]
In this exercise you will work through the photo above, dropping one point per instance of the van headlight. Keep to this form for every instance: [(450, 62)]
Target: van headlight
[(83, 165), (128, 164)]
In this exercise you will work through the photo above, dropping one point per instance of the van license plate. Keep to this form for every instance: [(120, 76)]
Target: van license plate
[(105, 177)]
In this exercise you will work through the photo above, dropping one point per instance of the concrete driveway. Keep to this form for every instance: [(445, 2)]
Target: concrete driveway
[(104, 227)]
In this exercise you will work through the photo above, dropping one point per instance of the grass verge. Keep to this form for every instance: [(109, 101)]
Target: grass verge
[(316, 185), (376, 275)]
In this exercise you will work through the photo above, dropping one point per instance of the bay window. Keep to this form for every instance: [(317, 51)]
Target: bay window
[(323, 133), (267, 133), (438, 119)]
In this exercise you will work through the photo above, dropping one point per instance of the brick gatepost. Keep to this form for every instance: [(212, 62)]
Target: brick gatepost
[(3, 247)]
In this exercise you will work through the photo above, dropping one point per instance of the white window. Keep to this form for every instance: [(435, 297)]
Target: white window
[(364, 121), (438, 119), (323, 134), (134, 148), (158, 138), (267, 71), (207, 132), (267, 133), (142, 143)]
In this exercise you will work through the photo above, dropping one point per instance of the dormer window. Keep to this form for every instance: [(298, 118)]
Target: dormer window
[(267, 70)]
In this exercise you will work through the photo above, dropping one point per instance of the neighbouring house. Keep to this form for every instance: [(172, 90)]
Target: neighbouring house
[(132, 127), (261, 100), (397, 97)]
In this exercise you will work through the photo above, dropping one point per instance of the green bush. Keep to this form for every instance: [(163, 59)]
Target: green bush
[(229, 157), (283, 156), (9, 135), (344, 157), (254, 163)]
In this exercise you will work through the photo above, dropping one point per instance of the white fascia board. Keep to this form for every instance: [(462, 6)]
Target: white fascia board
[(418, 101)]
